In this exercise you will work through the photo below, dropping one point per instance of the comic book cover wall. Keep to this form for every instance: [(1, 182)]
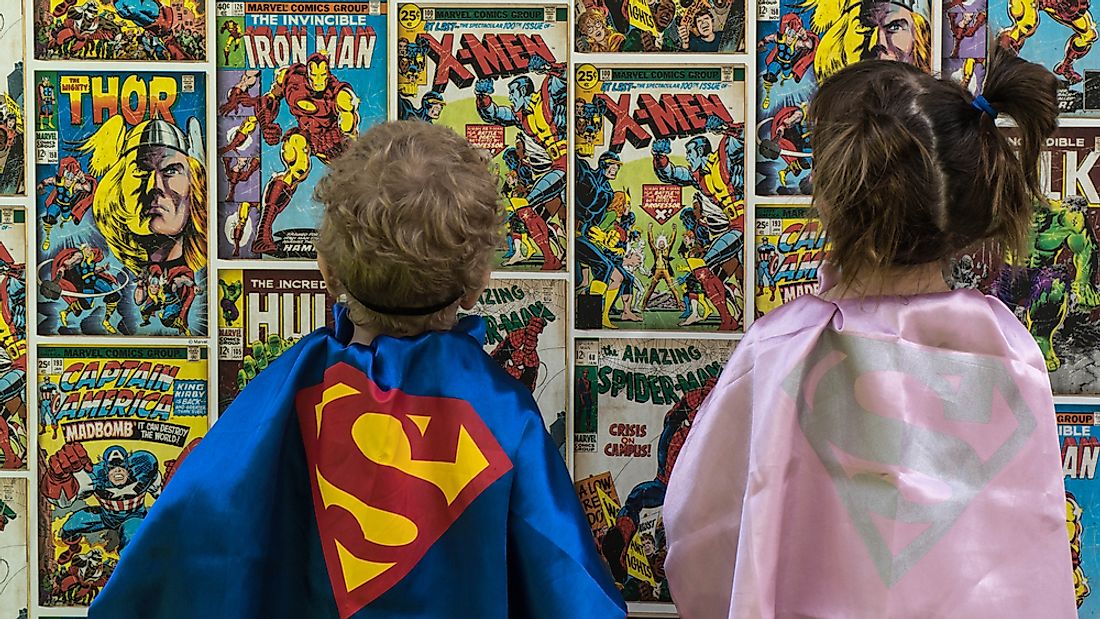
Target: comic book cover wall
[(12, 100), (13, 340), (14, 568), (113, 422), (965, 36), (497, 75), (660, 26), (1055, 290), (790, 247), (803, 42), (634, 404), (659, 197), (262, 313), (1059, 36), (120, 29), (122, 203), (296, 83), (1079, 433), (525, 332)]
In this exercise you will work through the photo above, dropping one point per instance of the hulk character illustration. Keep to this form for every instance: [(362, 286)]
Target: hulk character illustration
[(263, 353), (1074, 513), (326, 110), (1056, 275), (791, 55), (229, 293), (518, 353), (69, 199), (1073, 14)]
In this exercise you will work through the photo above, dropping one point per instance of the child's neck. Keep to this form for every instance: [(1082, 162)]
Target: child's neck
[(363, 335), (894, 281)]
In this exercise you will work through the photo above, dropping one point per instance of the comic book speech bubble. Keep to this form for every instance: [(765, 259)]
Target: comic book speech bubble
[(488, 137), (662, 202)]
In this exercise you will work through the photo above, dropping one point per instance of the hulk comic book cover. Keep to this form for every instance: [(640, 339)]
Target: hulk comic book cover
[(660, 26), (14, 558), (113, 423), (296, 84), (497, 75), (801, 43), (965, 37), (634, 404), (1054, 289), (262, 313), (1079, 435), (122, 205), (13, 340), (659, 197), (790, 247), (13, 106), (525, 332), (172, 30), (1059, 36)]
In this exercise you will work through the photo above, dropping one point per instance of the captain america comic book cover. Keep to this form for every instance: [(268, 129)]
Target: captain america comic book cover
[(113, 423), (261, 314), (172, 30), (965, 41), (13, 340), (13, 108), (660, 26), (634, 404), (497, 76), (790, 248), (525, 333), (296, 83), (800, 44), (659, 202), (1054, 289), (14, 557), (121, 203), (1058, 35), (1079, 435)]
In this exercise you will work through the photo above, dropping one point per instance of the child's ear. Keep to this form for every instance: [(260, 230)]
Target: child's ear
[(331, 283)]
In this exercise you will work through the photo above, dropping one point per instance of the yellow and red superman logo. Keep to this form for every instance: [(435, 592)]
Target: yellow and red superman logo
[(390, 472)]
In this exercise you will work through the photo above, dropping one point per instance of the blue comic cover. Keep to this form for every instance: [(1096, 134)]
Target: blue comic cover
[(1058, 35), (122, 203), (965, 34), (1079, 434), (297, 82), (497, 75), (801, 43)]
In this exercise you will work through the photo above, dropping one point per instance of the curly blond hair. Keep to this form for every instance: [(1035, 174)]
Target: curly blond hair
[(412, 215)]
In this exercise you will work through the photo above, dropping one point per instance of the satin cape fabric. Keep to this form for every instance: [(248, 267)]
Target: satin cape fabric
[(235, 532), (880, 457)]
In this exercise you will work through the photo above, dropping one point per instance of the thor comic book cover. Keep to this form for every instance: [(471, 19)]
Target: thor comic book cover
[(497, 75), (790, 247), (262, 313), (122, 203), (113, 424), (13, 340), (296, 84), (634, 404), (660, 198), (525, 332), (660, 26), (803, 42), (172, 30), (13, 107), (1079, 435)]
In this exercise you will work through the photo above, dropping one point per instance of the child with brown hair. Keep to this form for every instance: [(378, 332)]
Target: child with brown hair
[(389, 468), (887, 448)]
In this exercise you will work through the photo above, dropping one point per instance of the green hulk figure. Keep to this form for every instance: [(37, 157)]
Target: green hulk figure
[(263, 353), (230, 292), (1043, 285)]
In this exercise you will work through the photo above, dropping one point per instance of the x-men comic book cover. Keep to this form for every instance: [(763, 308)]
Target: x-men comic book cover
[(262, 313), (800, 44), (1058, 35), (113, 423), (525, 332), (660, 25), (965, 38), (14, 560), (634, 404), (497, 75), (13, 340), (659, 197), (12, 100), (297, 82), (122, 205), (1079, 434), (1054, 288), (120, 29), (790, 247)]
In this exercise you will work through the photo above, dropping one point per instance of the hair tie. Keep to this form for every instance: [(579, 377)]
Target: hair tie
[(391, 310), (979, 103)]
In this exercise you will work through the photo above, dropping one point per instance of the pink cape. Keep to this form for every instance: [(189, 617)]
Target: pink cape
[(883, 457)]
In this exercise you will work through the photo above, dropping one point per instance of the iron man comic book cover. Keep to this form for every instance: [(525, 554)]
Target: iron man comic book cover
[(297, 82), (634, 404), (114, 422)]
